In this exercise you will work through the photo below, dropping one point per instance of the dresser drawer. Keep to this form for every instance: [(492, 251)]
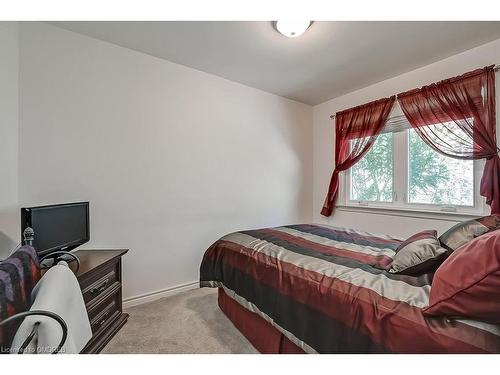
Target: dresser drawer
[(105, 312), (99, 283), (100, 279)]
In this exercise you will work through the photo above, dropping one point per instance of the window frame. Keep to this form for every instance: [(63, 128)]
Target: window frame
[(400, 186)]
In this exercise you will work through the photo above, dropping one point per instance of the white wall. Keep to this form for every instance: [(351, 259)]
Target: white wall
[(323, 138), (170, 158), (9, 215)]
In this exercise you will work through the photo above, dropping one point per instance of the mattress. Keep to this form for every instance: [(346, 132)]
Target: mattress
[(327, 290)]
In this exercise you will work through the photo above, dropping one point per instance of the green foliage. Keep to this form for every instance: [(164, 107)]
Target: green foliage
[(425, 171), (436, 179), (371, 177)]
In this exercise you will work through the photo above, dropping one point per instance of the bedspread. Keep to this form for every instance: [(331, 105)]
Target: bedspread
[(328, 291)]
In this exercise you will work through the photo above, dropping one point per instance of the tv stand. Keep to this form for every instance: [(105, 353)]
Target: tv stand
[(100, 279)]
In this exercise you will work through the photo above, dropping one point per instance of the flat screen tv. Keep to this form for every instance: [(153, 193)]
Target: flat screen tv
[(57, 227)]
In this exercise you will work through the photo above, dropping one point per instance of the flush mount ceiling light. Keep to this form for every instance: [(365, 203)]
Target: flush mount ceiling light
[(291, 29)]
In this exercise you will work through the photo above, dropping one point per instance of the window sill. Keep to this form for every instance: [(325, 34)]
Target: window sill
[(403, 212)]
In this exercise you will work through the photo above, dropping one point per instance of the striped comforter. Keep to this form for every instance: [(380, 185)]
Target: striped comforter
[(327, 290)]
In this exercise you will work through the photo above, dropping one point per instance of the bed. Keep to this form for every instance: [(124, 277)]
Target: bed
[(319, 289)]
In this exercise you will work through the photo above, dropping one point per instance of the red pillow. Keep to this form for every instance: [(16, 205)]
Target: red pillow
[(467, 284)]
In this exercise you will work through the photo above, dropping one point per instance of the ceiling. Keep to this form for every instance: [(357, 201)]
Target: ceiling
[(332, 58)]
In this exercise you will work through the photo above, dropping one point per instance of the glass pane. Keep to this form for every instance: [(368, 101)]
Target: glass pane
[(371, 177), (437, 179)]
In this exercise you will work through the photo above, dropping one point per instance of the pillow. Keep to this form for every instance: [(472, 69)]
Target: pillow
[(466, 231), (19, 273), (419, 254), (467, 284)]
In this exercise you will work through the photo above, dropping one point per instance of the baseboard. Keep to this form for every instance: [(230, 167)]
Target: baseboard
[(152, 296)]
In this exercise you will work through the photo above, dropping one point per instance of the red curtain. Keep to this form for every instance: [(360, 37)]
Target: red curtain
[(355, 132), (456, 117)]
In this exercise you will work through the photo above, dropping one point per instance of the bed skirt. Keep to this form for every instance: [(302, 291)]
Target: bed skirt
[(261, 334)]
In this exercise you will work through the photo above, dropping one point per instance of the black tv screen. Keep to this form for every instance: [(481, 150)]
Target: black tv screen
[(57, 227)]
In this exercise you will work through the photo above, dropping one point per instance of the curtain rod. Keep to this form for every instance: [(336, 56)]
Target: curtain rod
[(496, 69)]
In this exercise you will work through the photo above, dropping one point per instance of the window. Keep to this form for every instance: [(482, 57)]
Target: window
[(371, 177), (402, 172)]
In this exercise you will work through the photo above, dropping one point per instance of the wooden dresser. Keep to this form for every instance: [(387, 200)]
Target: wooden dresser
[(100, 278)]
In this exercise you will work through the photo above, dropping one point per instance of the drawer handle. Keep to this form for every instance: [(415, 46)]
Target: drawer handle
[(100, 288), (103, 320)]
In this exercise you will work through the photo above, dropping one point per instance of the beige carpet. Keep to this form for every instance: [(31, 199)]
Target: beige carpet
[(189, 322)]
